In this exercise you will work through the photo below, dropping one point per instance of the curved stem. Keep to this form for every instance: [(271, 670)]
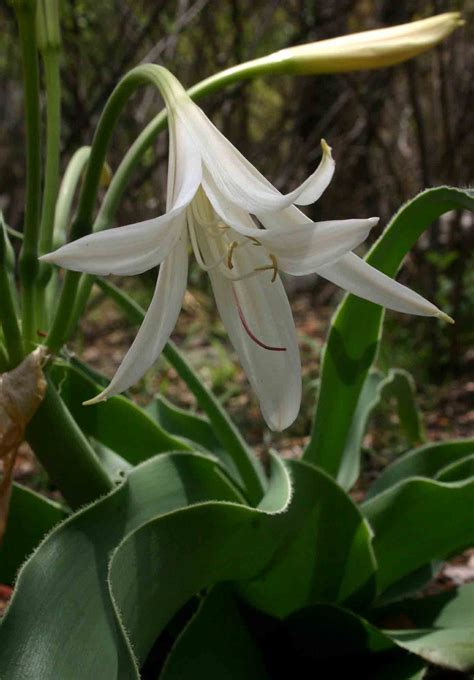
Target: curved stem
[(28, 265)]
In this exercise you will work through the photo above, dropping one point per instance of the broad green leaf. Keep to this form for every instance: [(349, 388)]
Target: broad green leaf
[(248, 465), (216, 644), (30, 518), (195, 428), (109, 579), (445, 624), (356, 329), (61, 611), (117, 423), (457, 471), (425, 461), (328, 555), (417, 521), (159, 566)]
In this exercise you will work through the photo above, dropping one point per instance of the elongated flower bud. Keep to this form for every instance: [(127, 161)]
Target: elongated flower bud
[(48, 32), (367, 50)]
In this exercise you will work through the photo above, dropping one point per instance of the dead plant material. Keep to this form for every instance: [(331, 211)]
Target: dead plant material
[(21, 392)]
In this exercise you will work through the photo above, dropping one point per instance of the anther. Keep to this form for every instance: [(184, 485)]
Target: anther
[(230, 252), (254, 240)]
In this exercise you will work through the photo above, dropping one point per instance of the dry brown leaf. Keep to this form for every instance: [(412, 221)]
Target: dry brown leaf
[(21, 392)]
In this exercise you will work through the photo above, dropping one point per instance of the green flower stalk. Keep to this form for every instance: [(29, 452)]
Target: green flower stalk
[(28, 266)]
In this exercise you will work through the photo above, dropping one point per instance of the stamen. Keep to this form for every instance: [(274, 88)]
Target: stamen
[(271, 267), (197, 250), (251, 335), (232, 247), (254, 240)]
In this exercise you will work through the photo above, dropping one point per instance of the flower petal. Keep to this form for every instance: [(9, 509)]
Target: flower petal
[(264, 319), (299, 244), (237, 178), (135, 248), (158, 323), (184, 165), (124, 250), (356, 276)]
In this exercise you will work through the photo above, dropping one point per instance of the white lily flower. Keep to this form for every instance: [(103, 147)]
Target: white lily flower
[(243, 232)]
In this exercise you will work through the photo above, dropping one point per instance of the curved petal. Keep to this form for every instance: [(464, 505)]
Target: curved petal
[(124, 250), (184, 165), (300, 245), (257, 316), (237, 178), (356, 276), (136, 248), (157, 325)]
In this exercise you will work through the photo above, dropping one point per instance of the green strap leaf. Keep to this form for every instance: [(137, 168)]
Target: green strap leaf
[(397, 383), (196, 429), (425, 461), (401, 387), (30, 518), (216, 644), (117, 423), (327, 556), (417, 521), (442, 627), (457, 471), (355, 331)]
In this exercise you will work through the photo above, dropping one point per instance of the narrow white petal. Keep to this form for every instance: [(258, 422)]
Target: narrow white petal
[(305, 247), (274, 372), (356, 276), (299, 244), (123, 251), (237, 178), (184, 165), (158, 323), (136, 248)]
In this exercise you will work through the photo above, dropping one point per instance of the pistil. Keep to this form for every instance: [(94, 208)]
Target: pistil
[(249, 332)]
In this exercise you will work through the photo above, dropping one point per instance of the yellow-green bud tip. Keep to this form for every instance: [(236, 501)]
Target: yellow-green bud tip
[(326, 148), (445, 317)]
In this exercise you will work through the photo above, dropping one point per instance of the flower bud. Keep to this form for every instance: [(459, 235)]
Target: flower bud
[(367, 50), (48, 34)]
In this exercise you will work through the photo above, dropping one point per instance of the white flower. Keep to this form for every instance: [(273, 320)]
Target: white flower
[(243, 232)]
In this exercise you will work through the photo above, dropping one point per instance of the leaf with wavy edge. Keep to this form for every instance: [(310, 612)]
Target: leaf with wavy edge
[(194, 542), (424, 461), (417, 521)]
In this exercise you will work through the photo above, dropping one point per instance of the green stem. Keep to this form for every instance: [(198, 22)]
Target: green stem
[(65, 453), (28, 265), (247, 464), (53, 134), (8, 318)]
